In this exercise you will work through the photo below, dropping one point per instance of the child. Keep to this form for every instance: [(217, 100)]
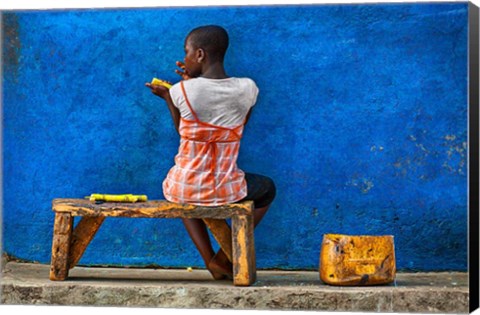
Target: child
[(209, 110)]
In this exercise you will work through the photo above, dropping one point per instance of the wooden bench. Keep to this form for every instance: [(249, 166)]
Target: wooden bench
[(70, 243)]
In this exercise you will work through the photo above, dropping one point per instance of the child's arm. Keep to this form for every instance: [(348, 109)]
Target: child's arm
[(185, 75), (162, 91)]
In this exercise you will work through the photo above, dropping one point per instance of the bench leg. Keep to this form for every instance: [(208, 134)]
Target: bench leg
[(81, 237), (222, 233), (62, 233), (243, 254)]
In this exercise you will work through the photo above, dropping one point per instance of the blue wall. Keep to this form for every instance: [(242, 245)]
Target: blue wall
[(361, 121)]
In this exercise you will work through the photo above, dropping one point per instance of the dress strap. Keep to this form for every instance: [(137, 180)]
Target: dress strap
[(197, 120), (188, 102)]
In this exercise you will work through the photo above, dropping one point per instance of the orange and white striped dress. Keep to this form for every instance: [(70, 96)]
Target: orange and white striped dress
[(205, 171)]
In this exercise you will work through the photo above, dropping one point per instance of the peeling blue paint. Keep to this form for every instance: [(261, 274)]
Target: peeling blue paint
[(362, 118)]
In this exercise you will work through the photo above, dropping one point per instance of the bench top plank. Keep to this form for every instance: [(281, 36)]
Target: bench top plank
[(149, 209)]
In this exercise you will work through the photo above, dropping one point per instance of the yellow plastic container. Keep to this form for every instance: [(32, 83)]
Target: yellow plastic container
[(357, 260)]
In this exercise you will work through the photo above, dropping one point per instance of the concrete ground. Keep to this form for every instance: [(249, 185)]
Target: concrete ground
[(25, 283)]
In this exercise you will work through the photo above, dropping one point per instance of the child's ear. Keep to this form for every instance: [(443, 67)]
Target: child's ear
[(200, 55)]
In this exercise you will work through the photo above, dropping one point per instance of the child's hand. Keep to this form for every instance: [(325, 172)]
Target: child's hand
[(184, 74), (159, 90)]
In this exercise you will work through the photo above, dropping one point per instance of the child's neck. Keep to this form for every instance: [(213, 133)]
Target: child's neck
[(214, 71)]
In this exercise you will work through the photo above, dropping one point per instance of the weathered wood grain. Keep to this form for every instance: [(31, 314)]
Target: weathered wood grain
[(68, 246), (222, 233), (62, 232), (149, 209), (243, 255), (82, 236)]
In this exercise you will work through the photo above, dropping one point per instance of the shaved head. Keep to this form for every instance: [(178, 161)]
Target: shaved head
[(212, 39)]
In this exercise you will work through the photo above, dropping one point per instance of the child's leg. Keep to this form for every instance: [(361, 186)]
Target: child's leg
[(258, 215), (262, 190), (198, 233), (220, 263)]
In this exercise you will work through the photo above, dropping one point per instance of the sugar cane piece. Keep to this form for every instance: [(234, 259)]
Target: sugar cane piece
[(156, 81), (118, 198), (113, 198), (142, 198)]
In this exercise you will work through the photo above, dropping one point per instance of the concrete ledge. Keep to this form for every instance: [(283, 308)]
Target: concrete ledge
[(24, 283)]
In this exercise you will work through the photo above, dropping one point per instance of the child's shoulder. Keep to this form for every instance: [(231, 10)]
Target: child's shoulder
[(205, 82), (245, 80)]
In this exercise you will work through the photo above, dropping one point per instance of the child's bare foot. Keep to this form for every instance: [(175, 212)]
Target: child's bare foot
[(216, 275), (221, 265)]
